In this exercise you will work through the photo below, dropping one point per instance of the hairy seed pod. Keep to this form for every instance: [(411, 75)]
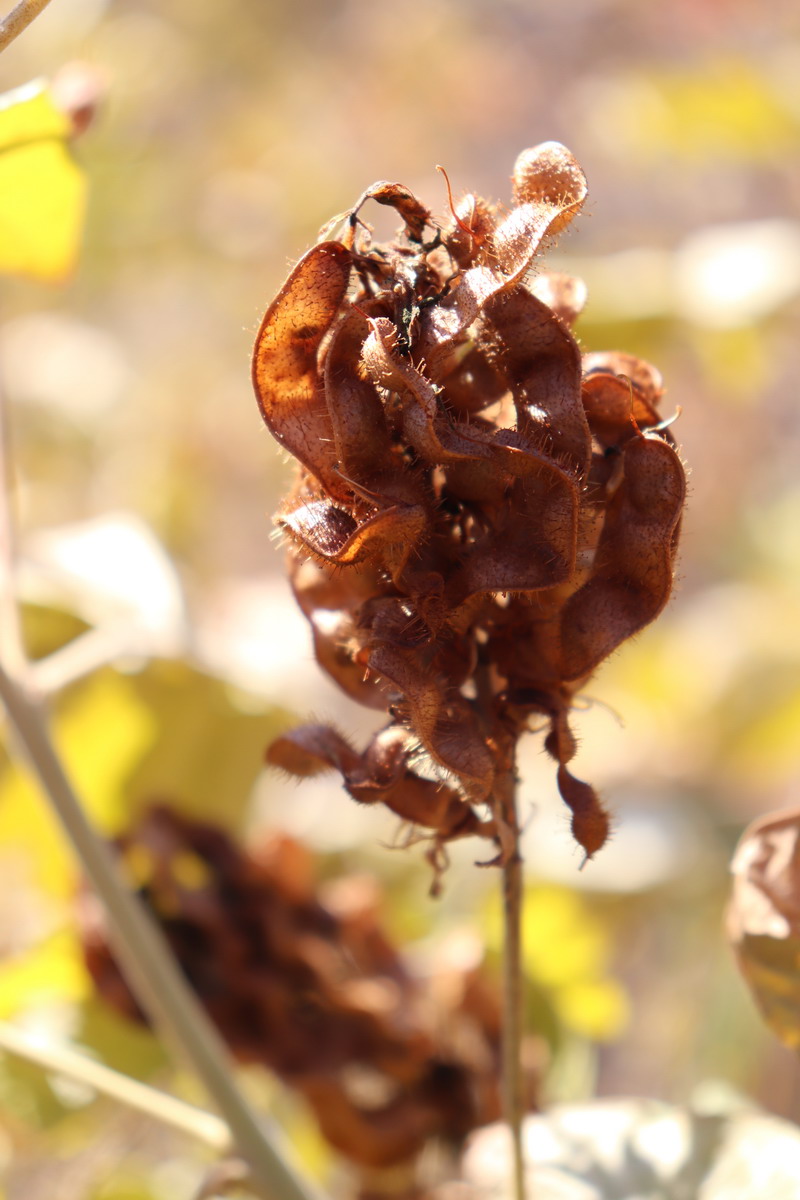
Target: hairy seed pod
[(481, 514)]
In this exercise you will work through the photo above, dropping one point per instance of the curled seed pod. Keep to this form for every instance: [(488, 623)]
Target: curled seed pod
[(631, 578), (286, 374), (481, 515), (307, 983)]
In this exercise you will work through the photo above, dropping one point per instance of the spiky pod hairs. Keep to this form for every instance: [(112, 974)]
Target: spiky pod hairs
[(481, 515)]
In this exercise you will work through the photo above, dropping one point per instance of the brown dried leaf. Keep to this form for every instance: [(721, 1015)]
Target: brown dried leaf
[(397, 196), (333, 535)]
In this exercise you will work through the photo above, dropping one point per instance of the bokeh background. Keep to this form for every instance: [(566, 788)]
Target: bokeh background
[(143, 483)]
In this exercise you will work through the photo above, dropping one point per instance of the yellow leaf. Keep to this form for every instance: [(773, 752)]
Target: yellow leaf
[(594, 1008), (42, 189), (562, 941), (765, 750), (565, 952), (102, 731), (125, 1185), (53, 971)]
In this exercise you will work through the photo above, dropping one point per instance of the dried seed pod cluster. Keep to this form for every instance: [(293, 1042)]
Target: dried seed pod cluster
[(481, 515), (308, 985)]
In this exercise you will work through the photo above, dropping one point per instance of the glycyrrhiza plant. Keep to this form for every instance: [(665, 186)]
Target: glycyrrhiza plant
[(481, 514)]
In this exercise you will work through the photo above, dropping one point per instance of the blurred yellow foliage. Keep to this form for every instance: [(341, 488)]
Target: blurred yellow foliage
[(207, 750), (53, 971), (594, 1008), (736, 362), (102, 730), (42, 189), (303, 1135), (728, 109), (723, 109), (766, 750), (126, 1186), (566, 951)]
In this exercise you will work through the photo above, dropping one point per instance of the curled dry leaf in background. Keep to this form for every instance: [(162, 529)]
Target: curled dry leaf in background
[(307, 983), (480, 515), (764, 919)]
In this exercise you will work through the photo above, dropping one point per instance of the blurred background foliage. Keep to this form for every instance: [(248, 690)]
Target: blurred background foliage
[(143, 483)]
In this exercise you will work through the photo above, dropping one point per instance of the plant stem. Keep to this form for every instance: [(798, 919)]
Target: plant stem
[(504, 737), (19, 19), (148, 963), (64, 1060), (513, 1097), (12, 650), (86, 653)]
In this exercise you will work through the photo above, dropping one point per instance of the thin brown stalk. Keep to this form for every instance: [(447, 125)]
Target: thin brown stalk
[(19, 19), (513, 992), (505, 739)]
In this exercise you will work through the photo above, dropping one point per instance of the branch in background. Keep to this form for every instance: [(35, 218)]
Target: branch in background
[(96, 648), (151, 969), (157, 981), (12, 650), (19, 19), (64, 1060)]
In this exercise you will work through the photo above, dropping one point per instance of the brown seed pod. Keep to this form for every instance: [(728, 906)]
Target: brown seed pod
[(306, 982), (482, 515)]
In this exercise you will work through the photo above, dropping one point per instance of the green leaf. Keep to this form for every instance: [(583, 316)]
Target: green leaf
[(127, 1185), (46, 629), (53, 971), (102, 730), (119, 1043), (42, 189)]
